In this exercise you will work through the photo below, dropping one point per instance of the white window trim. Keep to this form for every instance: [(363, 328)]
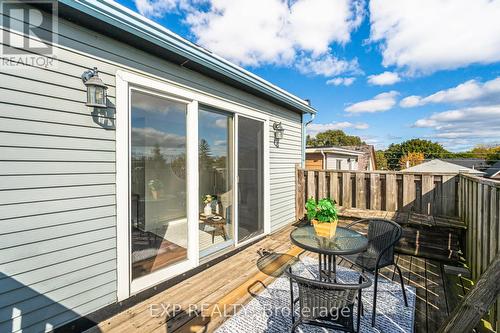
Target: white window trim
[(124, 80)]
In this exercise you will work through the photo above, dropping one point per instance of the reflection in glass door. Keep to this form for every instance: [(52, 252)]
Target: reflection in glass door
[(250, 178), (215, 156), (158, 218)]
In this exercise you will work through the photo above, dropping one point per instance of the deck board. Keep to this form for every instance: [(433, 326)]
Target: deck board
[(231, 280)]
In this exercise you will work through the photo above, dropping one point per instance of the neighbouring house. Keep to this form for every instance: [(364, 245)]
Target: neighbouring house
[(189, 159), (493, 171), (360, 158), (479, 164), (440, 166)]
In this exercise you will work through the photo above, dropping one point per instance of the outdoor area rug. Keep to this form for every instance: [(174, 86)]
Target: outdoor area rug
[(269, 311)]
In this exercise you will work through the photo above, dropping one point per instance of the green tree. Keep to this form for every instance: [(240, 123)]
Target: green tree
[(490, 153), (430, 150), (381, 160), (205, 155), (334, 138), (411, 159)]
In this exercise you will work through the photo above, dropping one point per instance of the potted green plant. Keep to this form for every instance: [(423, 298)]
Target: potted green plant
[(323, 216)]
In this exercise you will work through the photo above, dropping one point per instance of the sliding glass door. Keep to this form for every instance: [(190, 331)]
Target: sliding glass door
[(215, 157), (190, 174), (250, 178), (158, 217)]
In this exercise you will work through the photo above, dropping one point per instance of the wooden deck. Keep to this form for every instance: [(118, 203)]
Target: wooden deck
[(234, 280)]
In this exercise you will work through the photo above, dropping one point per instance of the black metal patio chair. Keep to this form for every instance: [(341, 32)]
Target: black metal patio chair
[(383, 235), (326, 304)]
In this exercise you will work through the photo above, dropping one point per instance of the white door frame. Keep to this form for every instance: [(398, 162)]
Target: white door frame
[(124, 81)]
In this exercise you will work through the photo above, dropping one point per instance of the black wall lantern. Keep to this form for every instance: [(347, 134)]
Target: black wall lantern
[(96, 89), (278, 133)]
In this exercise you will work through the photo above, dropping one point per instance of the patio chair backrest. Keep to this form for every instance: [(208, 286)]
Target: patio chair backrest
[(383, 235), (318, 299)]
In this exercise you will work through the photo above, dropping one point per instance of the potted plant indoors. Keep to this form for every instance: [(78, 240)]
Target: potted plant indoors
[(207, 200), (323, 216)]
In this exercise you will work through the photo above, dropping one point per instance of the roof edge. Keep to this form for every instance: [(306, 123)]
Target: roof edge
[(127, 20)]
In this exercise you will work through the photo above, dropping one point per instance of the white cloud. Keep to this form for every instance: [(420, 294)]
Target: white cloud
[(426, 36), (327, 66), (155, 8), (464, 127), (381, 102), (273, 31), (344, 81), (279, 32), (384, 79), (150, 137), (410, 101), (469, 91), (314, 129), (221, 123)]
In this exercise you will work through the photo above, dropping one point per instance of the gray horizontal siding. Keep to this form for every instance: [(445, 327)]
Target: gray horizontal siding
[(57, 177), (44, 194), (282, 171)]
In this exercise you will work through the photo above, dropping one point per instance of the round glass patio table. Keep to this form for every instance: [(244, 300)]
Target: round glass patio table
[(345, 241)]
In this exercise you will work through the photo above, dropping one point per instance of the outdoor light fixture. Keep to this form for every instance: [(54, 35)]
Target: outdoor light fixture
[(278, 133), (96, 89)]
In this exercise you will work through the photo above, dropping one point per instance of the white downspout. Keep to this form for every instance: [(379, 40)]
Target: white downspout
[(304, 138), (324, 159)]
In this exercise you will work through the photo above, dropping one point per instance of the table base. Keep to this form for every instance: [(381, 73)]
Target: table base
[(327, 265)]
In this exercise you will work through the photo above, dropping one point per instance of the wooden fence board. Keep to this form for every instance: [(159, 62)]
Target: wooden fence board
[(494, 223), (321, 185), (391, 197), (334, 186), (346, 190), (375, 192), (449, 195), (408, 192), (427, 194), (479, 228), (360, 191), (485, 228), (300, 196), (311, 185)]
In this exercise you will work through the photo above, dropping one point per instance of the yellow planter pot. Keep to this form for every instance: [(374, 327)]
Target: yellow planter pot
[(326, 230)]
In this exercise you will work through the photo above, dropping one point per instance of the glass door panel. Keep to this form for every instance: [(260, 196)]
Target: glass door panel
[(215, 156), (250, 178), (157, 183)]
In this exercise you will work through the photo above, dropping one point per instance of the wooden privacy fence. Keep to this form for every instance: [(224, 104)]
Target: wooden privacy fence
[(432, 194), (479, 208)]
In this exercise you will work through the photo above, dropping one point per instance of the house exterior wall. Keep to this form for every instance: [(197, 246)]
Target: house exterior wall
[(331, 162), (314, 161), (57, 177)]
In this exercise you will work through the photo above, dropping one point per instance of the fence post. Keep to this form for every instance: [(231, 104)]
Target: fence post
[(300, 194)]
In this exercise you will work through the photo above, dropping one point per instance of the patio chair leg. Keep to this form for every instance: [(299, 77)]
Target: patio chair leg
[(294, 326), (374, 313), (402, 284), (360, 311)]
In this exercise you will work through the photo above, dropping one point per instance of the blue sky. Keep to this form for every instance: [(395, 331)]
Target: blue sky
[(386, 70)]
